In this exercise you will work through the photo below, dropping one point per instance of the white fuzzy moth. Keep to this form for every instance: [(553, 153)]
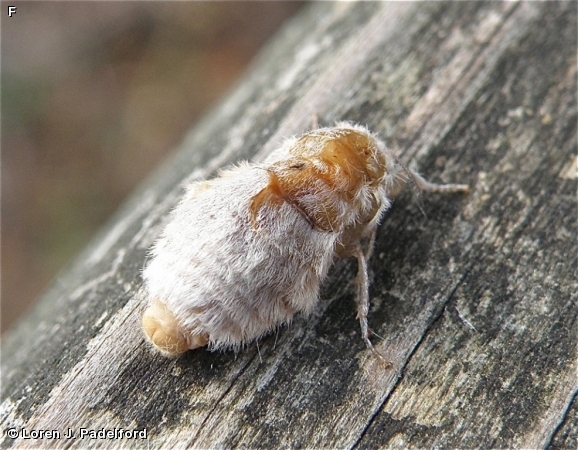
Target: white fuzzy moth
[(246, 251)]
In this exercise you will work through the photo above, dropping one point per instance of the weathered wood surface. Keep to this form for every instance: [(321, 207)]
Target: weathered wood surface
[(481, 93)]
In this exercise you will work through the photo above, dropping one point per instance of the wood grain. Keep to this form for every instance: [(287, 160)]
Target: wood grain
[(474, 299)]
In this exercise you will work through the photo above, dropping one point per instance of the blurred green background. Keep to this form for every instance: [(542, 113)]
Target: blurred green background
[(94, 95)]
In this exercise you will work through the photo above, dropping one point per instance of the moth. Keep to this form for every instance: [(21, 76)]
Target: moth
[(246, 251)]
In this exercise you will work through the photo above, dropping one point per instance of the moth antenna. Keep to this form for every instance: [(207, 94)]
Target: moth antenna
[(423, 185), (414, 187), (419, 184)]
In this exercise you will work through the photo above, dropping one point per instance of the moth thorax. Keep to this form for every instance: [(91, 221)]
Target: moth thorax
[(325, 177)]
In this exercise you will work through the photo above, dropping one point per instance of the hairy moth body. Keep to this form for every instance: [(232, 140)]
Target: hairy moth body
[(246, 251)]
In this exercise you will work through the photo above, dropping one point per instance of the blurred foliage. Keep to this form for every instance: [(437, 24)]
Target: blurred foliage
[(94, 94)]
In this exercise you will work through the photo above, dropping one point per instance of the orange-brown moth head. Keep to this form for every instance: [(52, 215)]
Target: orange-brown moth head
[(331, 177)]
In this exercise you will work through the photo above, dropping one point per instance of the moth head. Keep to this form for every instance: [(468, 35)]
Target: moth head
[(346, 157)]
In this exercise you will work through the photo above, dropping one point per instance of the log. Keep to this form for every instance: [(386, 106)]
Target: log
[(474, 300)]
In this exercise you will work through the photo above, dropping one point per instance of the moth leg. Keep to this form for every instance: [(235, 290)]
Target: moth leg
[(362, 300), (370, 244)]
